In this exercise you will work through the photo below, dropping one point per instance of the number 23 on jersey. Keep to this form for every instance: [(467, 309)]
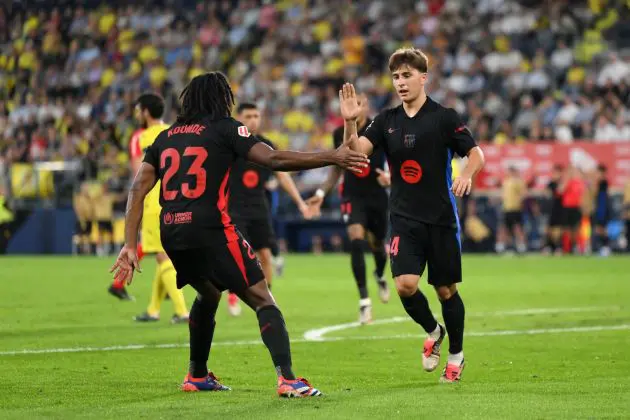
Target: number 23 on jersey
[(170, 160)]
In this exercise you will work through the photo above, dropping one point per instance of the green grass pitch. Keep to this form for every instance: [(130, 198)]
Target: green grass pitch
[(546, 338)]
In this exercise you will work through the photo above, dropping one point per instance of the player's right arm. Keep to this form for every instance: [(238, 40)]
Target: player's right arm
[(145, 180), (288, 160), (349, 107), (247, 146)]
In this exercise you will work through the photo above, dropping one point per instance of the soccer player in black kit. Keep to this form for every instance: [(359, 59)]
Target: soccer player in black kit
[(248, 205), (192, 159), (364, 209), (419, 138), (555, 225)]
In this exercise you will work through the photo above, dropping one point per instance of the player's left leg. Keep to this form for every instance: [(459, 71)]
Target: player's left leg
[(445, 270), (453, 313), (380, 260), (356, 234), (377, 231), (274, 334)]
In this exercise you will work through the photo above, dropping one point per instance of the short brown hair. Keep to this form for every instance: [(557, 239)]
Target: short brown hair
[(412, 57)]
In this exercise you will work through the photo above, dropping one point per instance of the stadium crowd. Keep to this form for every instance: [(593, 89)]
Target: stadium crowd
[(518, 71)]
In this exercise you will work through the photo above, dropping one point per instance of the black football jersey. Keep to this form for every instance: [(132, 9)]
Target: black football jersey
[(193, 162), (363, 184), (419, 151), (248, 198)]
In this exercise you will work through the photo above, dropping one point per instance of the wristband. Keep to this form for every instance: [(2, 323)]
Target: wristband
[(320, 193)]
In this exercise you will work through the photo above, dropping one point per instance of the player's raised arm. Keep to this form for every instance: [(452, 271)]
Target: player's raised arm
[(287, 160), (350, 110)]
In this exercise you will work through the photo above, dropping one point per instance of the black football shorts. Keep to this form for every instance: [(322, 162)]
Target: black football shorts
[(371, 214), (82, 228), (414, 245), (572, 217), (513, 219), (230, 265), (258, 232)]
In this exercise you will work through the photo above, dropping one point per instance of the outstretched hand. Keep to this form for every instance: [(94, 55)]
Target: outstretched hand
[(348, 104), (349, 159), (315, 205), (125, 265), (306, 210)]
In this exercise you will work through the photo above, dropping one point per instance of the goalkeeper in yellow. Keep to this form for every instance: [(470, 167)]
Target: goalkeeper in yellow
[(148, 111)]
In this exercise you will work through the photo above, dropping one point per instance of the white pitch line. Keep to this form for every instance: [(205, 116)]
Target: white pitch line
[(594, 328), (319, 333)]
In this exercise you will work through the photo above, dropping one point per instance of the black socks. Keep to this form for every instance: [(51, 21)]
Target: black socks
[(201, 327), (418, 309), (275, 336), (358, 266), (453, 313), (380, 259)]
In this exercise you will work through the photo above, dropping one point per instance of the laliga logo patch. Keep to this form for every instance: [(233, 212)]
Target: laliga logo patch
[(243, 131), (168, 218), (346, 217), (411, 172)]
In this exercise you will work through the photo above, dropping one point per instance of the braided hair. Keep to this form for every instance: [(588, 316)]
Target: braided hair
[(206, 95)]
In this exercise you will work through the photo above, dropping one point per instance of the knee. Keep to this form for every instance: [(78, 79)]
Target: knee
[(445, 292), (209, 296), (356, 232), (258, 296), (407, 285)]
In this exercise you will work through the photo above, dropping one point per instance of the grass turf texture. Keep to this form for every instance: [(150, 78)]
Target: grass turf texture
[(51, 303)]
